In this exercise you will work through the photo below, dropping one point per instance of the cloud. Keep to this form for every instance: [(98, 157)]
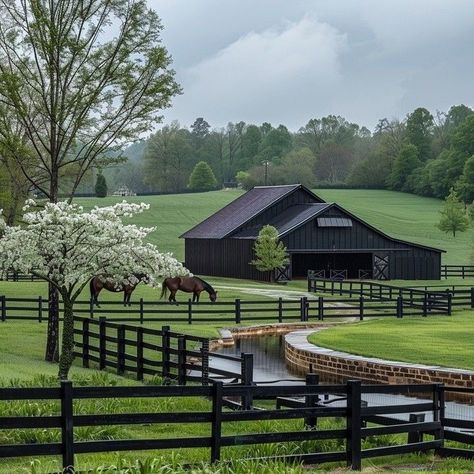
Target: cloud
[(275, 73)]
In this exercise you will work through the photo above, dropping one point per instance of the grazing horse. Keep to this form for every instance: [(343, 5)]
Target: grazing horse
[(192, 285), (100, 282)]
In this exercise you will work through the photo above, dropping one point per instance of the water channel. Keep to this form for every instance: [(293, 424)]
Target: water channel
[(270, 367)]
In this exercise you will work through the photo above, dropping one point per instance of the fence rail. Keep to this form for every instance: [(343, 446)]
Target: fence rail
[(143, 351), (457, 271), (415, 302), (435, 295), (351, 428)]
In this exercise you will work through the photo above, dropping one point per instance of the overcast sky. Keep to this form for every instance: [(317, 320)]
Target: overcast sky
[(286, 61)]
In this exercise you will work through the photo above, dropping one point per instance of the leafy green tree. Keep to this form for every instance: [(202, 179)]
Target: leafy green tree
[(275, 143), (270, 253), (297, 167), (463, 139), (101, 186), (465, 185), (202, 178), (419, 132), (251, 140), (169, 159), (453, 216), (407, 161), (76, 92)]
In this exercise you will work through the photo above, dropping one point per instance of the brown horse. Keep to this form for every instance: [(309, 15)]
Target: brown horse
[(192, 285), (101, 282)]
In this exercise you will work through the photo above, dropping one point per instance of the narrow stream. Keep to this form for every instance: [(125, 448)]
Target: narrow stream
[(270, 366)]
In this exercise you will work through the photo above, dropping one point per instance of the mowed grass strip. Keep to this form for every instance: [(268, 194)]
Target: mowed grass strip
[(436, 340)]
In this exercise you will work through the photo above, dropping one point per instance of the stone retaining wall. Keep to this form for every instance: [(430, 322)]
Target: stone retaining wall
[(300, 354)]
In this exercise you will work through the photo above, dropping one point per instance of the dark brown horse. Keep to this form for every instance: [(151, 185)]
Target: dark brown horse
[(192, 285), (101, 282)]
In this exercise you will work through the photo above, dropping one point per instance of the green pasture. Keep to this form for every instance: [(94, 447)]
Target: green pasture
[(400, 215), (436, 340)]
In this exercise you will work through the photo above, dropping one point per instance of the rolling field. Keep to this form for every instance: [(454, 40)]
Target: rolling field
[(400, 215)]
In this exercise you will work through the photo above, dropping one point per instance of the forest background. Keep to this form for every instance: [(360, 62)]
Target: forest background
[(425, 154)]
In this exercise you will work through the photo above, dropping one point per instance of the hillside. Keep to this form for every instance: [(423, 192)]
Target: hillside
[(404, 216)]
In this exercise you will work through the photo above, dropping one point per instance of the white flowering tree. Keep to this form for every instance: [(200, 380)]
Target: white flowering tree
[(67, 246)]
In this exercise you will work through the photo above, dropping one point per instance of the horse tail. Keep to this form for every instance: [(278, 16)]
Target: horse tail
[(164, 289)]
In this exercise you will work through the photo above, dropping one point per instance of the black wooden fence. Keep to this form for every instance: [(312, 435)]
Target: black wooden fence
[(164, 353), (351, 433), (415, 296), (240, 311), (457, 271)]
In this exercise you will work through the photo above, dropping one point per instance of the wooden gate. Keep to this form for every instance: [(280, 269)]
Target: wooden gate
[(381, 267)]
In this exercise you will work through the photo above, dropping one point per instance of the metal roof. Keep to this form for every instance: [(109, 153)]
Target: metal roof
[(240, 211), (289, 219)]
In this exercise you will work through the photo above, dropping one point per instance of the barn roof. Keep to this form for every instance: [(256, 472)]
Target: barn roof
[(241, 210), (288, 220)]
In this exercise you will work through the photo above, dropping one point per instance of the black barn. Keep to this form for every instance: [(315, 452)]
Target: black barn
[(318, 235)]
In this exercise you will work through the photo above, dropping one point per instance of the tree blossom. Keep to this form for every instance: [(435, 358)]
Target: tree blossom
[(67, 246)]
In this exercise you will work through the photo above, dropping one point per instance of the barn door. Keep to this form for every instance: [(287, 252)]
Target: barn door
[(381, 263), (282, 275)]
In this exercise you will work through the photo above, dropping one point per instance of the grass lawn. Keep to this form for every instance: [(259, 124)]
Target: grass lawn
[(400, 215), (437, 340)]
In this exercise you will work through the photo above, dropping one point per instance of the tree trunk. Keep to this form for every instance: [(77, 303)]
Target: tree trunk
[(67, 350), (52, 342)]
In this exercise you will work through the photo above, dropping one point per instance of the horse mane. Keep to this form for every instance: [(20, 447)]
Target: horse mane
[(206, 285)]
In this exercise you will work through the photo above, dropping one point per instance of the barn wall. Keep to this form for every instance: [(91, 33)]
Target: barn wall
[(409, 262), (226, 257), (310, 236)]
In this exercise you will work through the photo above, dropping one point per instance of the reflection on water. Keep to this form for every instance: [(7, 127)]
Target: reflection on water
[(269, 365)]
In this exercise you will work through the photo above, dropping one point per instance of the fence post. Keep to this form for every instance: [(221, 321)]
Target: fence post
[(415, 436), (354, 459), (205, 362), (40, 309), (142, 311), (425, 304), (181, 360), (438, 411), (303, 309), (102, 342), (85, 343), (140, 372), (237, 311), (190, 311), (400, 307), (472, 296), (247, 379), (165, 351), (280, 309), (320, 308), (361, 308), (311, 400), (91, 308), (450, 303), (216, 423), (4, 308), (120, 349), (67, 431)]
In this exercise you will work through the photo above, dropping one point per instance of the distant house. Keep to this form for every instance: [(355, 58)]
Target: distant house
[(319, 236), (124, 191)]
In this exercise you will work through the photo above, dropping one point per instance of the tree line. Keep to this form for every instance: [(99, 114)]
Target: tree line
[(424, 154)]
